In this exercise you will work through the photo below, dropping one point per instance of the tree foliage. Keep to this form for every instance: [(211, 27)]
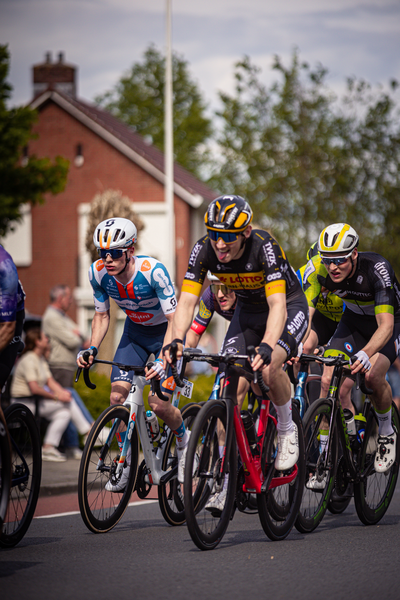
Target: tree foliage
[(304, 159), (138, 100), (21, 183)]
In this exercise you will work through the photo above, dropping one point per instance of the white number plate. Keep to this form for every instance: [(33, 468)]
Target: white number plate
[(188, 389)]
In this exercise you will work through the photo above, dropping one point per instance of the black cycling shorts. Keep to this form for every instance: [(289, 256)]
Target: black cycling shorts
[(324, 327), (354, 332), (247, 328)]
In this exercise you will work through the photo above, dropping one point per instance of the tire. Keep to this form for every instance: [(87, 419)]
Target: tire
[(5, 469), (279, 506), (101, 510), (314, 503), (170, 495), (26, 472), (373, 494), (342, 492), (206, 527)]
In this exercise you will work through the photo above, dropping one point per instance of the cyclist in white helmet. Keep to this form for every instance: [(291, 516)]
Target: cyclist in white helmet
[(369, 328), (142, 287)]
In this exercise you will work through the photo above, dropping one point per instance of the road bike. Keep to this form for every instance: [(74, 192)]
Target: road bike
[(103, 461), (207, 470), (334, 459), (22, 467)]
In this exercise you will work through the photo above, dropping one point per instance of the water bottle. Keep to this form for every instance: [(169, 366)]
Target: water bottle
[(350, 423), (360, 425), (249, 428), (154, 427)]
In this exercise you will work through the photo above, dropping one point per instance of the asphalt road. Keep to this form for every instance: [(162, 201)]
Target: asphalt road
[(143, 557)]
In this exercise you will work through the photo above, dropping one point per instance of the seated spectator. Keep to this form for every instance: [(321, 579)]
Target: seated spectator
[(32, 377)]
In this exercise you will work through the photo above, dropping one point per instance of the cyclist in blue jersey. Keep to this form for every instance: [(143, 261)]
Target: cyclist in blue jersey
[(142, 287), (216, 298), (12, 314)]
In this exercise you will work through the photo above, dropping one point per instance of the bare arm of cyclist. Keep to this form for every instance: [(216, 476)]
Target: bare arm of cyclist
[(157, 372), (100, 323), (183, 318), (192, 339), (275, 323), (7, 329), (378, 340)]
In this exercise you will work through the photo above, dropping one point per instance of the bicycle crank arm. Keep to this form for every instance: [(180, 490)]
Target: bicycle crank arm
[(169, 475)]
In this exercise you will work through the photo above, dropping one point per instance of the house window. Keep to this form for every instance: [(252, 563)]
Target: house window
[(79, 159)]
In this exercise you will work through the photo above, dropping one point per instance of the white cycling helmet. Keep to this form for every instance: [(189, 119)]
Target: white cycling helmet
[(115, 233), (336, 238)]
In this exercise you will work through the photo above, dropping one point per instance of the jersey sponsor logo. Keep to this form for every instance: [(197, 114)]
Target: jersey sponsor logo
[(189, 275), (397, 345), (231, 341), (137, 317), (169, 384), (296, 323), (146, 266), (248, 267), (274, 276), (240, 281), (348, 347), (99, 265), (269, 254), (163, 281), (381, 269), (203, 310), (194, 254), (197, 328), (277, 287), (360, 279), (310, 268)]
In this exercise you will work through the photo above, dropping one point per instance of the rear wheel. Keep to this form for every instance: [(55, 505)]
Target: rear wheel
[(26, 472), (278, 507), (170, 495), (374, 493), (318, 470), (100, 509), (5, 469), (203, 483)]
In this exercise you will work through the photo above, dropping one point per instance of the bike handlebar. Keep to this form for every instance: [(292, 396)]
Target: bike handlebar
[(138, 370), (340, 361)]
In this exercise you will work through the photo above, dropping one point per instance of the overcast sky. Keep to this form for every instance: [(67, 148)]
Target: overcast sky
[(103, 38)]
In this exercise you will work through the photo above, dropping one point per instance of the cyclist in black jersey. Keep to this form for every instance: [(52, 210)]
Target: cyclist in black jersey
[(271, 312), (217, 298), (369, 328)]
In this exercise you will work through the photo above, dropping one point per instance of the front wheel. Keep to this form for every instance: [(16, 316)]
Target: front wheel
[(170, 495), (209, 498), (278, 507), (101, 509), (26, 472), (319, 476), (374, 493)]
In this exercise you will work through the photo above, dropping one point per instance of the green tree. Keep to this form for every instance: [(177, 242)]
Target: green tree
[(138, 101), (304, 159), (21, 183)]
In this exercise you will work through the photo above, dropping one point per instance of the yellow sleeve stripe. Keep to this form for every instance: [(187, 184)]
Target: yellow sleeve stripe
[(275, 287), (192, 287), (384, 308)]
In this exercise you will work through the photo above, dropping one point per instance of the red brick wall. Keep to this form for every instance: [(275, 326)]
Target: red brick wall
[(55, 224)]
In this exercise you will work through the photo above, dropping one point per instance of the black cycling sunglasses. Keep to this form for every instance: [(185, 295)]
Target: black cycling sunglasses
[(339, 260), (226, 236), (112, 252), (218, 287)]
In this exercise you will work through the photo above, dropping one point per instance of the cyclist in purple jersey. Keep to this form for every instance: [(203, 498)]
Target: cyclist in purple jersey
[(141, 286), (12, 315), (369, 330), (217, 298), (271, 311)]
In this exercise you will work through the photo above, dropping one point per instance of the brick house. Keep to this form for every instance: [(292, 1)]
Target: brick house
[(104, 153)]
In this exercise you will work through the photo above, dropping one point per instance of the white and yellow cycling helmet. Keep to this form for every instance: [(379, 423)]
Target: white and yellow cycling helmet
[(337, 238)]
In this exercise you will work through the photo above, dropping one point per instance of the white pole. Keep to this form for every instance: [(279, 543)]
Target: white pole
[(169, 153)]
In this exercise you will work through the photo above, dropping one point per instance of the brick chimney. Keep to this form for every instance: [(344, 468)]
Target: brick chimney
[(54, 76)]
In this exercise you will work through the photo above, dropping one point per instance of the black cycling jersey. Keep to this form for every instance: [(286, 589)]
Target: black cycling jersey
[(262, 270), (372, 289)]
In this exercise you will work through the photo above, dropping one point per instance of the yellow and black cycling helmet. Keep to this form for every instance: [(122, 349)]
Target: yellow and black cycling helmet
[(228, 215)]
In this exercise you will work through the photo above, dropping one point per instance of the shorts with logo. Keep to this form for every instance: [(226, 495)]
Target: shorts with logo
[(137, 343), (324, 327), (247, 328), (354, 332)]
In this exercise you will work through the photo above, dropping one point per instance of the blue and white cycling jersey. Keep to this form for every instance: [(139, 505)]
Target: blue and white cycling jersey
[(147, 297)]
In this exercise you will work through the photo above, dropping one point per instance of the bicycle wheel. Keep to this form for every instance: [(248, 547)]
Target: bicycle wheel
[(315, 501), (170, 495), (278, 507), (101, 510), (372, 495), (207, 525), (5, 469), (26, 473), (342, 492)]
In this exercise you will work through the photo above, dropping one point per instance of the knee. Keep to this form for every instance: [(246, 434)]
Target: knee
[(116, 398)]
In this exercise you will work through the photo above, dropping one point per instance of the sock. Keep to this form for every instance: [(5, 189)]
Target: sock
[(385, 422), (221, 452), (323, 439), (285, 421), (182, 436)]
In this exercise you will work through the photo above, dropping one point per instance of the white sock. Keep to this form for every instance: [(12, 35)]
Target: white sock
[(385, 422), (183, 441), (285, 421), (221, 452)]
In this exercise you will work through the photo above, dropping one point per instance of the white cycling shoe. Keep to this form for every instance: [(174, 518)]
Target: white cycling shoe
[(288, 450), (121, 484)]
